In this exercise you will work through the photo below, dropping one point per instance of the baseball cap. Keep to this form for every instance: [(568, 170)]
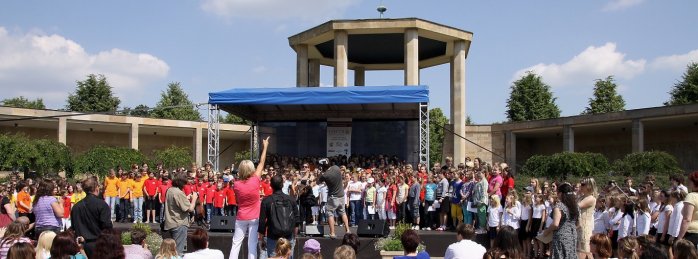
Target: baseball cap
[(370, 180), (311, 246)]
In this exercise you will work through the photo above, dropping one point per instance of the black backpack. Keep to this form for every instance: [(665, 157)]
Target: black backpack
[(281, 218)]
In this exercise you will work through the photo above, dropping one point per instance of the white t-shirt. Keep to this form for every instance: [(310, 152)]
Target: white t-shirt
[(614, 218), (525, 212), (323, 192), (493, 216), (642, 220), (601, 219), (654, 207), (316, 191), (465, 249), (511, 216), (380, 195), (355, 196), (662, 219), (204, 254), (675, 220), (626, 226), (549, 211), (538, 211)]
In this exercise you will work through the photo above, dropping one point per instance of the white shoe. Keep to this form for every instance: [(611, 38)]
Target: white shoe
[(391, 227), (427, 229), (416, 228)]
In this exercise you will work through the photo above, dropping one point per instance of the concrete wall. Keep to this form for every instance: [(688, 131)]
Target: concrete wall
[(35, 133), (613, 145), (528, 147), (680, 142)]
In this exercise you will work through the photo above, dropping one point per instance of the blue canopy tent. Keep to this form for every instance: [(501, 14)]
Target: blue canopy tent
[(298, 104), (320, 103)]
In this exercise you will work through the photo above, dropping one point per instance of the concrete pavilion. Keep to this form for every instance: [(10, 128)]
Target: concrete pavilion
[(407, 44)]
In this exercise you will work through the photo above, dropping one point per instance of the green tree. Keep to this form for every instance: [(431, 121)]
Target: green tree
[(174, 104), (21, 102), (437, 120), (531, 99), (686, 91), (141, 110), (94, 94), (606, 99), (173, 157), (234, 119)]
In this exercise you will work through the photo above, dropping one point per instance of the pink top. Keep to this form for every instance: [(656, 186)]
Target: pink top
[(493, 183), (247, 194)]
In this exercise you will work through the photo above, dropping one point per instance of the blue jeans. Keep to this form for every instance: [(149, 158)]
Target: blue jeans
[(271, 247), (162, 212), (357, 211), (467, 215), (138, 209), (179, 234), (209, 209), (112, 201), (218, 212)]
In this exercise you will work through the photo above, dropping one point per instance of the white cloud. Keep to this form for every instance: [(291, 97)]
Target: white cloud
[(277, 9), (675, 62), (592, 63), (615, 5), (37, 65)]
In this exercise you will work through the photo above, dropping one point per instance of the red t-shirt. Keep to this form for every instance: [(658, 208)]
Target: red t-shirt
[(202, 193), (66, 206), (230, 193), (210, 194), (219, 198), (507, 185), (266, 188), (188, 189), (163, 190), (247, 192), (392, 190), (151, 186)]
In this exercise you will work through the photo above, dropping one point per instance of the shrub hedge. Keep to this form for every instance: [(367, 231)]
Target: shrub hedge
[(18, 152)]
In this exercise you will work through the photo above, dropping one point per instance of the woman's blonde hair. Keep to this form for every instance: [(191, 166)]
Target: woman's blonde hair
[(590, 184), (245, 169), (283, 248), (43, 245), (628, 248), (344, 252), (168, 249)]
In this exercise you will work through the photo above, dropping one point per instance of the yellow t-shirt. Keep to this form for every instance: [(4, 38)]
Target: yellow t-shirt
[(692, 198), (124, 186), (111, 188), (137, 188), (77, 197)]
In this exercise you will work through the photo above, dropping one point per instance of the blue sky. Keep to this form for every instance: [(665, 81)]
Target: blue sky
[(213, 45)]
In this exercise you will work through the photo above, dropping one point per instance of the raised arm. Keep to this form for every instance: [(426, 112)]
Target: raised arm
[(263, 158)]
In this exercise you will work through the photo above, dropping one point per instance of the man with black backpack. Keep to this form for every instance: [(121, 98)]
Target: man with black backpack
[(278, 218)]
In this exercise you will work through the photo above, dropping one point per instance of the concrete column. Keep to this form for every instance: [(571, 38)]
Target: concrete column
[(63, 130), (341, 42), (313, 72), (510, 140), (198, 145), (638, 136), (458, 100), (302, 65), (411, 57), (567, 139), (360, 76), (133, 136)]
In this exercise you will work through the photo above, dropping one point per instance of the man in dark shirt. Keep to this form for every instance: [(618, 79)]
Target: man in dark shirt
[(335, 200), (266, 226), (90, 216)]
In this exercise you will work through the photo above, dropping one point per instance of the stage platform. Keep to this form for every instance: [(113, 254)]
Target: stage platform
[(435, 241)]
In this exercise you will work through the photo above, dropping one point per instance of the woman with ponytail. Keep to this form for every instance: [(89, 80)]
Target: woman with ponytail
[(564, 224), (628, 248)]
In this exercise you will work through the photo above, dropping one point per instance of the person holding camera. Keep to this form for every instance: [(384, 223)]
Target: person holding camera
[(90, 216), (177, 208)]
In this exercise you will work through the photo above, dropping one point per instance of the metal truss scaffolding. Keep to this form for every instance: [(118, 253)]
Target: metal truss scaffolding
[(254, 143), (424, 134), (213, 135)]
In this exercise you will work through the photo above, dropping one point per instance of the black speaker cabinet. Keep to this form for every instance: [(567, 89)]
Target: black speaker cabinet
[(373, 228), (222, 223)]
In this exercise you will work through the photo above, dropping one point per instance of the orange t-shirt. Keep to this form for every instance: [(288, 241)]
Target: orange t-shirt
[(25, 198), (111, 188), (137, 188), (124, 186)]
